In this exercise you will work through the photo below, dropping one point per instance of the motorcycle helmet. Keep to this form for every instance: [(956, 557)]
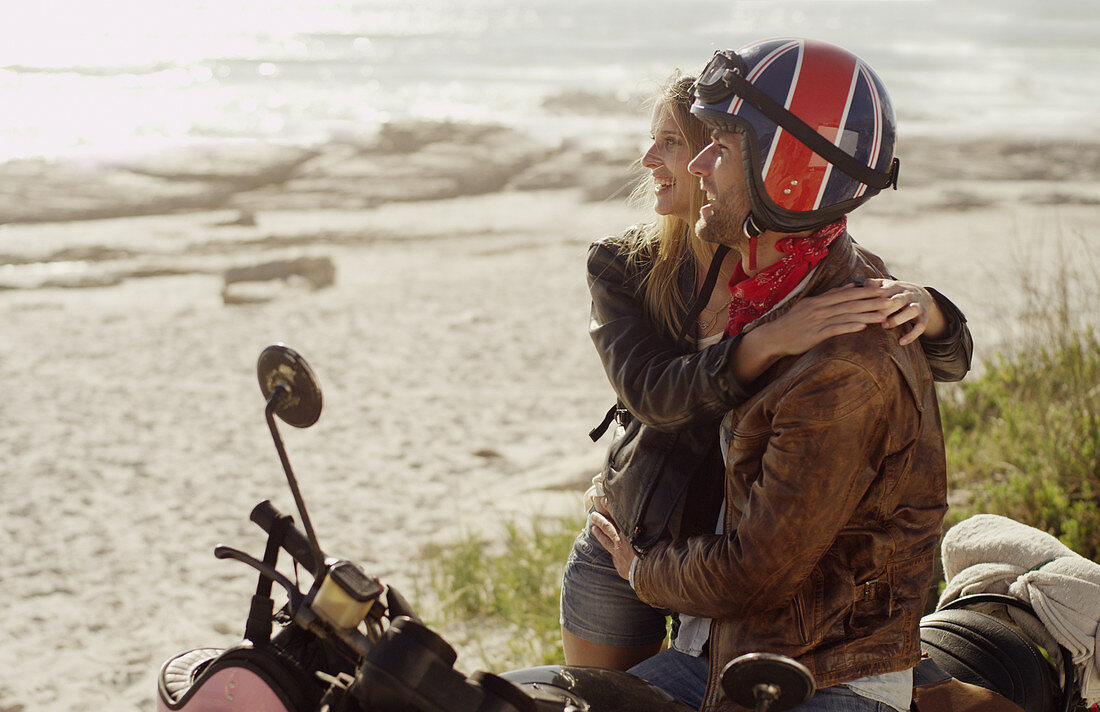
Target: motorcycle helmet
[(817, 128)]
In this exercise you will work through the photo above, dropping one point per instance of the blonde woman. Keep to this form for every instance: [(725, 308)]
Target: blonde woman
[(659, 313)]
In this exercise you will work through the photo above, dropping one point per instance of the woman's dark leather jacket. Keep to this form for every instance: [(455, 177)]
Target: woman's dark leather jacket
[(671, 398)]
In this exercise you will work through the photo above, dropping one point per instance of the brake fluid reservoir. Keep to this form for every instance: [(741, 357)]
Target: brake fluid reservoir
[(346, 595)]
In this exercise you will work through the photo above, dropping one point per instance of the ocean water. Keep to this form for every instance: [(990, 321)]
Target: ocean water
[(113, 77)]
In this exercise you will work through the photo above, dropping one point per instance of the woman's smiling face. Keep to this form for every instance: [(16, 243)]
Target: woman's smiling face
[(667, 161)]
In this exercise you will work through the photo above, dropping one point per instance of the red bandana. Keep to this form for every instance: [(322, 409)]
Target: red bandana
[(755, 296)]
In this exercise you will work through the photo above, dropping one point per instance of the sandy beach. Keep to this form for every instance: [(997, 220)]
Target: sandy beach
[(434, 279)]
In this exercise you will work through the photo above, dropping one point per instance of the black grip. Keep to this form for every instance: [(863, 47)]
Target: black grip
[(398, 606), (294, 541)]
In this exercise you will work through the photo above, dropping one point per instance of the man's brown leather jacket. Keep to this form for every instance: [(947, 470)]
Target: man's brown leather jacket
[(835, 493)]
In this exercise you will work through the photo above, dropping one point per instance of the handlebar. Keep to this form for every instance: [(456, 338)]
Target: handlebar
[(297, 545), (294, 541)]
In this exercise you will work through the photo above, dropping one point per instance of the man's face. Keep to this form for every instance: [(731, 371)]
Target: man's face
[(722, 176)]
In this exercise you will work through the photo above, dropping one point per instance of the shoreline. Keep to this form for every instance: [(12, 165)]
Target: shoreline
[(438, 160)]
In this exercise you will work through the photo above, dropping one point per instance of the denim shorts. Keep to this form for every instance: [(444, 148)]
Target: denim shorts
[(599, 606)]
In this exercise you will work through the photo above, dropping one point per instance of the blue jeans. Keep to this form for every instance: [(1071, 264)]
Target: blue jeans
[(681, 675), (685, 677)]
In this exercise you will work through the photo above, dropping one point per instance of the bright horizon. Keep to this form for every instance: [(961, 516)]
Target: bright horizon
[(118, 76)]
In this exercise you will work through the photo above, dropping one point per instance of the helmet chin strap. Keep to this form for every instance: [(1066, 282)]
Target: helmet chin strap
[(752, 231)]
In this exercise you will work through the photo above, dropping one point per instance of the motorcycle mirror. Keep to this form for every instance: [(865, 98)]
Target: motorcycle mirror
[(280, 365), (766, 682), (292, 393)]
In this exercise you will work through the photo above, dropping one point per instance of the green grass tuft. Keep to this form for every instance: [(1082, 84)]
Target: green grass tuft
[(508, 585)]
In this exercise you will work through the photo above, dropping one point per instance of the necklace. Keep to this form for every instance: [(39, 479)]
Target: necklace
[(706, 322)]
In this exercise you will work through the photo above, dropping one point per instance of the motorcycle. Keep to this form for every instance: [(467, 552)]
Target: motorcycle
[(351, 643)]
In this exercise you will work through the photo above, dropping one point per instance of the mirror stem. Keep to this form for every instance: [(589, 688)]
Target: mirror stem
[(281, 391)]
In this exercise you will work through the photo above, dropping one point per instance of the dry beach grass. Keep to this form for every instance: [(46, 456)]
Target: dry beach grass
[(449, 341)]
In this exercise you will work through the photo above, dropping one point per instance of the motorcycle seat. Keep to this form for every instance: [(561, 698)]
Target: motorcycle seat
[(990, 652)]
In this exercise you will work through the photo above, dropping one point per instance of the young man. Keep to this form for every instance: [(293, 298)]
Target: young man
[(835, 484)]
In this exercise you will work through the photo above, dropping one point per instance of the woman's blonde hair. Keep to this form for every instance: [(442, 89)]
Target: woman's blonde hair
[(667, 243)]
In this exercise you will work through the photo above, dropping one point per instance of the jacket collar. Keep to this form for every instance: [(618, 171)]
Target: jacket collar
[(840, 266)]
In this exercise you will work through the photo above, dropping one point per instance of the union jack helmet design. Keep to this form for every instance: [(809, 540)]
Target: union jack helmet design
[(817, 124)]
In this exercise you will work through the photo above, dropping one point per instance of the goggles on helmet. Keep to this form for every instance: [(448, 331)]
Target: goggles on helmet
[(714, 84)]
